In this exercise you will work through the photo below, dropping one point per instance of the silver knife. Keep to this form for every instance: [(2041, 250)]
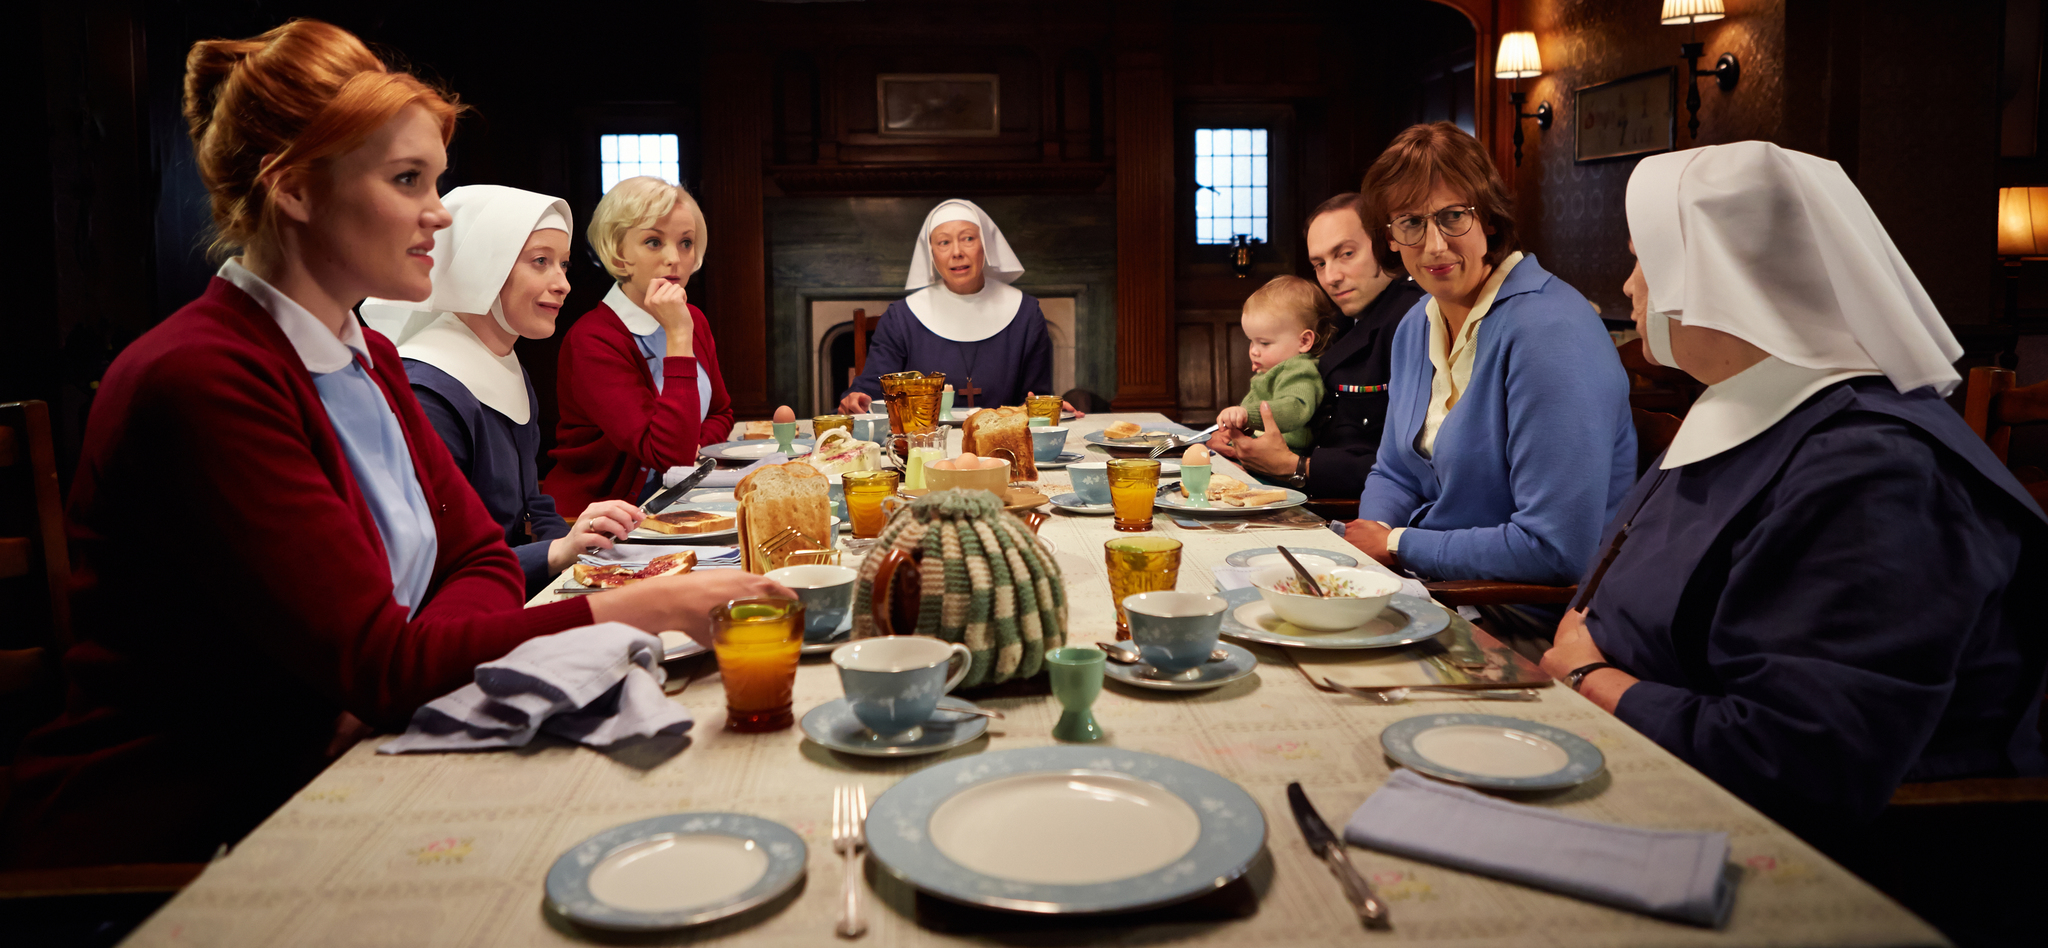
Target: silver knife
[(1326, 844), (660, 502)]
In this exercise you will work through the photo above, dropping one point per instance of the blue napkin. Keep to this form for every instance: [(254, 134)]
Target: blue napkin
[(1667, 873), (598, 685), (718, 478)]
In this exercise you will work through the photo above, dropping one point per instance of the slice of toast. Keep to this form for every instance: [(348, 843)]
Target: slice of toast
[(1121, 429), (605, 577), (688, 522), (777, 496), (1220, 486), (1005, 429), (756, 430)]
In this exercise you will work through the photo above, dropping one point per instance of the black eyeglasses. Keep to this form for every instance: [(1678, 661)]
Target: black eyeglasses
[(1452, 221)]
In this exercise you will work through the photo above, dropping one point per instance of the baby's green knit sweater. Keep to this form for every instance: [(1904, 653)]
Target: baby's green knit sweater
[(1293, 388)]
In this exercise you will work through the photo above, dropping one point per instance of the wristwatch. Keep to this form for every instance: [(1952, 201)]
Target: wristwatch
[(1578, 675), (1300, 478)]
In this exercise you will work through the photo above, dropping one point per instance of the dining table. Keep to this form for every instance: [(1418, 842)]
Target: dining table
[(453, 848)]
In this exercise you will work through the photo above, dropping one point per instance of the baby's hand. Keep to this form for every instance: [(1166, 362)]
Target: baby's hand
[(1233, 417)]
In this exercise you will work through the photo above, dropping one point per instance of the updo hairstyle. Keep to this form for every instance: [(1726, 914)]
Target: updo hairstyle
[(1417, 160), (632, 204), (300, 93)]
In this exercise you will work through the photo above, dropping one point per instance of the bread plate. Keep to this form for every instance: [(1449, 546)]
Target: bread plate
[(1140, 445), (1170, 498), (753, 449)]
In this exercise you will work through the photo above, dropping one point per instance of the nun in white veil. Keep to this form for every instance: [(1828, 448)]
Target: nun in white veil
[(500, 275), (1819, 591), (962, 317)]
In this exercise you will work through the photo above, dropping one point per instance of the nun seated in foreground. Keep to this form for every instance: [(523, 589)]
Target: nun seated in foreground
[(962, 318), (1822, 591), (500, 275)]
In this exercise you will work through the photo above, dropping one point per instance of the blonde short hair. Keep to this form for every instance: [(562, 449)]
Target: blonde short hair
[(1300, 301), (631, 204)]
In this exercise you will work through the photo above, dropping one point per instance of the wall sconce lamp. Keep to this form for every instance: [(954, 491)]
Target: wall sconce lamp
[(1518, 61), (1726, 71), (2022, 235)]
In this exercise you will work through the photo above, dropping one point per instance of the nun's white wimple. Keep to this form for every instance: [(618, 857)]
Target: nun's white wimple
[(976, 316)]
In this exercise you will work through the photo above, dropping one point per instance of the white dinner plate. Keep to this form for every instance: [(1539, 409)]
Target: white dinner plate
[(675, 871), (1170, 498), (1492, 752), (752, 449)]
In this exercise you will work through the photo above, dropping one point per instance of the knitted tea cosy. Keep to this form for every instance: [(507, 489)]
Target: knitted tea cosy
[(987, 583)]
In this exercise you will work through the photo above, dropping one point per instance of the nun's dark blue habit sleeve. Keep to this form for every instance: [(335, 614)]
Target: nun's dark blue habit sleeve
[(500, 460)]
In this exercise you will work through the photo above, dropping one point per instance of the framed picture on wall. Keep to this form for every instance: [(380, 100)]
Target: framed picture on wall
[(938, 105), (1625, 118)]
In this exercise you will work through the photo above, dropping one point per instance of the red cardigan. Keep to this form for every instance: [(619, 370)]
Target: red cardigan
[(233, 596), (613, 424)]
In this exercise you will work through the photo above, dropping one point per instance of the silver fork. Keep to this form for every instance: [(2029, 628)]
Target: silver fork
[(850, 841), (1173, 441)]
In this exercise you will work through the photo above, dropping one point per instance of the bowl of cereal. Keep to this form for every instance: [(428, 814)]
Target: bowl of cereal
[(1351, 597)]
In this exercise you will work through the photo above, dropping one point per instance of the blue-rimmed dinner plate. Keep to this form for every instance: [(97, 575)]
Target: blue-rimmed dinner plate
[(675, 871), (1071, 503), (1200, 678), (1065, 458), (1268, 556), (752, 449), (1140, 445), (1066, 830), (1492, 752), (833, 725), (1405, 620), (1170, 498)]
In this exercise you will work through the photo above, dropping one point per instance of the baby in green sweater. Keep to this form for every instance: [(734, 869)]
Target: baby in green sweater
[(1288, 322)]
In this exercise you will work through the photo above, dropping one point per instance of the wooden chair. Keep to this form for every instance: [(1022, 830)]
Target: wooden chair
[(28, 673), (1992, 404), (862, 326)]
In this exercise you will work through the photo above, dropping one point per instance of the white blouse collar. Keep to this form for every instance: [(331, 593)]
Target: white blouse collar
[(638, 321), (496, 380), (969, 318), (1733, 411), (318, 347)]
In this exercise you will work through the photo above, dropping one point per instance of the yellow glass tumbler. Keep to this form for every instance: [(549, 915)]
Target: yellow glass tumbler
[(757, 642), (913, 400), (870, 499), (823, 423), (1042, 410), (1132, 486), (1137, 565)]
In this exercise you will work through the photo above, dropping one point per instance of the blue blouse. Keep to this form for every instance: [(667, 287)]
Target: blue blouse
[(377, 456)]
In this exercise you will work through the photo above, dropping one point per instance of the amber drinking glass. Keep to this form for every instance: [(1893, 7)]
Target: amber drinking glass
[(913, 400), (869, 501), (823, 423), (1132, 485), (757, 641), (1137, 565), (1042, 410)]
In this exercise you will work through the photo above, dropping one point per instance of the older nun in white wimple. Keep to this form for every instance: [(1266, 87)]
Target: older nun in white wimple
[(500, 275), (962, 317), (1828, 585)]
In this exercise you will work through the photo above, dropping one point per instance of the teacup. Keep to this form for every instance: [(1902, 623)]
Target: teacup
[(894, 682), (871, 427), (993, 476), (1090, 480), (1175, 631), (1047, 443), (827, 595)]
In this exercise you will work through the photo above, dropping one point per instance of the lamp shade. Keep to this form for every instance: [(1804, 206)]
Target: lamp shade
[(1681, 12), (2023, 222), (1518, 58)]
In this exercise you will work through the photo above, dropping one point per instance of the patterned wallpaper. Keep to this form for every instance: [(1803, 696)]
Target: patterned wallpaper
[(1571, 214)]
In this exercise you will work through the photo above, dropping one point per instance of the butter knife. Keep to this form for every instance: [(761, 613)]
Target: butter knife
[(661, 501), (1326, 844)]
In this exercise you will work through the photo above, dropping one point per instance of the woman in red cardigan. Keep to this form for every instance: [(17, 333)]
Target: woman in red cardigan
[(639, 386), (273, 544)]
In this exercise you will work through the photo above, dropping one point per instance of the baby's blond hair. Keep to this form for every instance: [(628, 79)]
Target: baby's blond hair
[(1301, 301), (634, 203)]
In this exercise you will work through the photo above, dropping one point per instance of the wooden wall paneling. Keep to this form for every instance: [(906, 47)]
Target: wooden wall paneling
[(1146, 378), (736, 89)]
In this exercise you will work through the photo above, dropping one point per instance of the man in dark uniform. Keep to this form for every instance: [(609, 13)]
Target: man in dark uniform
[(1355, 366)]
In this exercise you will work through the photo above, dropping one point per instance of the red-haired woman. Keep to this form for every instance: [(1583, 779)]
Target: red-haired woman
[(331, 560)]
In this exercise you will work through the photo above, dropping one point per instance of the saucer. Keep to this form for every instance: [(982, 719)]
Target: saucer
[(1065, 458), (840, 636), (1071, 503), (833, 725), (1207, 675)]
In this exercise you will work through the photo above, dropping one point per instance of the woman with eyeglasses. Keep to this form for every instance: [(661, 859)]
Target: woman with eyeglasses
[(1508, 441)]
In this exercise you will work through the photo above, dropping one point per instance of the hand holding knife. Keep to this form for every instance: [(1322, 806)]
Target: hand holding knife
[(1326, 844), (661, 501)]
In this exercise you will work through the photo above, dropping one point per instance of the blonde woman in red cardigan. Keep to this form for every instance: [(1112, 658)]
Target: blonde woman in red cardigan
[(638, 384), (324, 561)]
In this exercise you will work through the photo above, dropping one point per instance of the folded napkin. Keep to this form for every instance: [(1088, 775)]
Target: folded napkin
[(640, 554), (719, 478), (598, 685), (1672, 874)]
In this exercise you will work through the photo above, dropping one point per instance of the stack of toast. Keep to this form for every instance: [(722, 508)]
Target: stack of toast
[(794, 495), (1006, 429)]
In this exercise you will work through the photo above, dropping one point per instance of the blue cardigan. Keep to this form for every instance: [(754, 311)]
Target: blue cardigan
[(1533, 460)]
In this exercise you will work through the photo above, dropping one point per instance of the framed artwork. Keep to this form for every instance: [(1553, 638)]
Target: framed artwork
[(1625, 118), (938, 105)]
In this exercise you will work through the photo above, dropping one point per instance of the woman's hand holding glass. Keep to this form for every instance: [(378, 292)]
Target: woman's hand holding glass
[(682, 601), (669, 303), (602, 524)]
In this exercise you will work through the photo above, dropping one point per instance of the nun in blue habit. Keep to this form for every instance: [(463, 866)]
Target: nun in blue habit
[(1827, 585), (500, 275)]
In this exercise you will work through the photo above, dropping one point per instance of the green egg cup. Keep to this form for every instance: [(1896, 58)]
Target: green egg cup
[(1076, 681), (785, 432)]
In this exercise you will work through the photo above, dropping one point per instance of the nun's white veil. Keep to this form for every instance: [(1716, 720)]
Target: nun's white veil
[(973, 317), (472, 259), (1778, 248)]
